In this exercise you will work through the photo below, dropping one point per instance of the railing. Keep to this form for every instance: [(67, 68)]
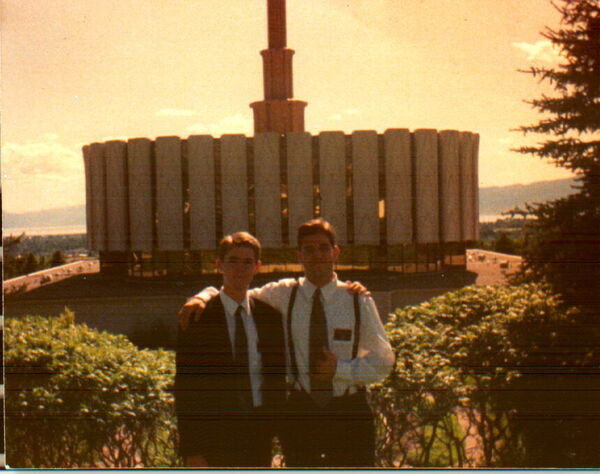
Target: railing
[(35, 280)]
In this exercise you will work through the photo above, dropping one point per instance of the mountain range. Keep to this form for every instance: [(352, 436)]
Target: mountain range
[(64, 216), (492, 200), (497, 199)]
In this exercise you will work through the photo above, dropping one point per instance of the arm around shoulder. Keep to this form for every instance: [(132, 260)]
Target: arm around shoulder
[(194, 307)]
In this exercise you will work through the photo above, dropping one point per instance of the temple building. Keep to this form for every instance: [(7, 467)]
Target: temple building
[(401, 201)]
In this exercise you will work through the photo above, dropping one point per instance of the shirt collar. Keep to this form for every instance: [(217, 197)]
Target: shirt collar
[(231, 305), (327, 291)]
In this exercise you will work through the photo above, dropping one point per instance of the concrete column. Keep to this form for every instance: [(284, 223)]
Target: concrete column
[(476, 185), (201, 166), (332, 171), (449, 186), (267, 189), (300, 181), (97, 168), (169, 201), (466, 148), (116, 190), (365, 187), (139, 152), (234, 183), (398, 186), (426, 192), (89, 196)]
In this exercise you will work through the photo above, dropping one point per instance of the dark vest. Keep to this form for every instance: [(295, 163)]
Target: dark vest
[(209, 412)]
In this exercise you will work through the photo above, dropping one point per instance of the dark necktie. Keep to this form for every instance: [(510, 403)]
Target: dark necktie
[(321, 391), (241, 359)]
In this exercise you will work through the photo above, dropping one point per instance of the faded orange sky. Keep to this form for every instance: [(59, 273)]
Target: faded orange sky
[(79, 71)]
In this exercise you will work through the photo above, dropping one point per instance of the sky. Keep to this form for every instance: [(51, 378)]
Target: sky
[(75, 72)]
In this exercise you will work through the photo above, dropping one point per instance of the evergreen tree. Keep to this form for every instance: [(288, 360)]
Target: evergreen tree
[(57, 259), (560, 406), (564, 241), (31, 264)]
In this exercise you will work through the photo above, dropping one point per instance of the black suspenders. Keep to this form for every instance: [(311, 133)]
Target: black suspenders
[(292, 350), (356, 326)]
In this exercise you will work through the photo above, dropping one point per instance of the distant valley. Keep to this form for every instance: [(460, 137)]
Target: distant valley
[(492, 200)]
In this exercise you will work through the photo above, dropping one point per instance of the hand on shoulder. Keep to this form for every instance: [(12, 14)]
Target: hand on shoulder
[(357, 288), (191, 311)]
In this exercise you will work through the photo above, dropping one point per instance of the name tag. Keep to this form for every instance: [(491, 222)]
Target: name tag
[(342, 334)]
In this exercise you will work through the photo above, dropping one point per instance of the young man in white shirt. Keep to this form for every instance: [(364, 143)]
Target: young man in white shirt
[(230, 382), (336, 345)]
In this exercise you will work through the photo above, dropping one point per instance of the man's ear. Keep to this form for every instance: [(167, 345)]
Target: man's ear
[(336, 252), (258, 264)]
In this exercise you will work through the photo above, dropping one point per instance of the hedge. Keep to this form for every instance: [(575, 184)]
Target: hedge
[(474, 369), (463, 383), (80, 398)]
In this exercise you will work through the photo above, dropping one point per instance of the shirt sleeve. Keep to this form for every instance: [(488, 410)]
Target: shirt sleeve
[(276, 294), (206, 294), (375, 357)]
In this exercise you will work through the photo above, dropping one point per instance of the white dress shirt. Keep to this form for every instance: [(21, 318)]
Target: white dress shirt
[(254, 358), (374, 359)]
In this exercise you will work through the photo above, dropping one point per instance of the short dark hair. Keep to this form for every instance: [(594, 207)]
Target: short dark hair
[(316, 226), (239, 239)]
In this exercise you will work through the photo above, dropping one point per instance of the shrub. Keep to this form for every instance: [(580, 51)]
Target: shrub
[(453, 398), (77, 397)]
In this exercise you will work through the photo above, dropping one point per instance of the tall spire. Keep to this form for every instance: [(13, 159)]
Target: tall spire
[(277, 24), (278, 112)]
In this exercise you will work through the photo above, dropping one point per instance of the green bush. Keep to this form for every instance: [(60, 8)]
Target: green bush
[(454, 396), (77, 397)]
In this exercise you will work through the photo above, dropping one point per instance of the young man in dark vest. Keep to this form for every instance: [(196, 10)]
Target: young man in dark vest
[(337, 346), (230, 379)]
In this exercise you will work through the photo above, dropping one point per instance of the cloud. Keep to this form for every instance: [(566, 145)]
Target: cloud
[(49, 159), (237, 123), (41, 175), (543, 51), (175, 113), (342, 115)]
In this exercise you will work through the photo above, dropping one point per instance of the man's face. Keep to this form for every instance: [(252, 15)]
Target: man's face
[(317, 255), (238, 267)]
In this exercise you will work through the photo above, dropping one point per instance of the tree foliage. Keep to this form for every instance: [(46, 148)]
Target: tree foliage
[(27, 254), (80, 398), (57, 259), (563, 242), (468, 374)]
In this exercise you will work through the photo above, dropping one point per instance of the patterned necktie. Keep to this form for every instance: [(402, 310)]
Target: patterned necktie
[(241, 358), (321, 391)]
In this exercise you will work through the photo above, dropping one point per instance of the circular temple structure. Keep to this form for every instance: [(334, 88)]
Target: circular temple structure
[(400, 201)]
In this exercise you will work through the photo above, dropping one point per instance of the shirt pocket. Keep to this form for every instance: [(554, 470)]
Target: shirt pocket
[(342, 342)]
